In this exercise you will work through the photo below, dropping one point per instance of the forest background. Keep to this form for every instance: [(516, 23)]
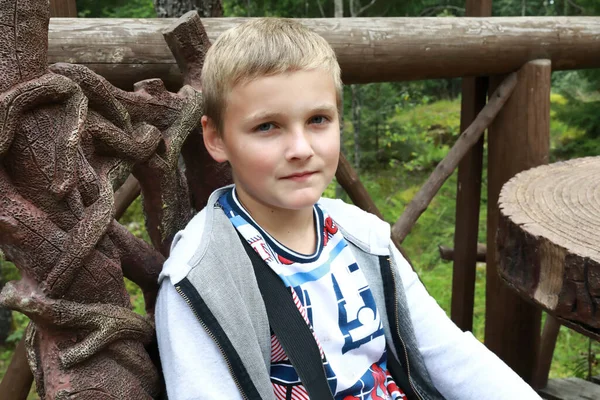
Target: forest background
[(395, 134)]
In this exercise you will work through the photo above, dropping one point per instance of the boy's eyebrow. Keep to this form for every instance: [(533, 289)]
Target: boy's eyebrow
[(267, 115), (263, 115), (324, 108)]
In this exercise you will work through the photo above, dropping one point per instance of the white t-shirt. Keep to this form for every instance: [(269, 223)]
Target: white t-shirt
[(334, 298)]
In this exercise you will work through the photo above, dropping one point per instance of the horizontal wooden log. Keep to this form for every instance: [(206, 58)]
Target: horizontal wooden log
[(447, 253), (549, 240), (368, 49)]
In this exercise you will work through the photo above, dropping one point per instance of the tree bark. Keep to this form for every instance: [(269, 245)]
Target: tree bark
[(176, 8)]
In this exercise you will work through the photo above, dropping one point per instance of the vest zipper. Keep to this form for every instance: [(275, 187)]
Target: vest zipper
[(396, 313), (213, 337)]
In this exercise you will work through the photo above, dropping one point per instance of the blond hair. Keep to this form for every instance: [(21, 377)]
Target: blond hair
[(261, 47)]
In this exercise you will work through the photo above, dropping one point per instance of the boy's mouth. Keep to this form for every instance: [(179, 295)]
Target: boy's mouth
[(300, 175)]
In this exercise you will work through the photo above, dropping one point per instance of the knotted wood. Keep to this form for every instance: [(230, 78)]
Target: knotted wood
[(549, 240)]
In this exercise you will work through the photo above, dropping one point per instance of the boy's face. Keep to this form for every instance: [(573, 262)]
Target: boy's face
[(281, 136)]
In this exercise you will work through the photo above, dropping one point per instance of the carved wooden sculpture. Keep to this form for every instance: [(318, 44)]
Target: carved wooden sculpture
[(549, 241), (68, 139)]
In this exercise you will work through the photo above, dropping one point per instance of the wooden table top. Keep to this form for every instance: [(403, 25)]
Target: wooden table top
[(548, 240)]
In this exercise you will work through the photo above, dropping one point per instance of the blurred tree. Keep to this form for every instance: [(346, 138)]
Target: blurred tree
[(176, 8)]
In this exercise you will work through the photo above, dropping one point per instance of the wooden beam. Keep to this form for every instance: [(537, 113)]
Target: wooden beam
[(478, 8), (468, 199), (570, 389), (444, 169), (63, 8), (544, 360), (125, 195), (17, 380), (369, 49), (448, 253), (519, 138), (468, 193)]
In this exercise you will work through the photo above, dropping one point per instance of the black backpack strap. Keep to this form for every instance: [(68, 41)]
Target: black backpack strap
[(291, 329)]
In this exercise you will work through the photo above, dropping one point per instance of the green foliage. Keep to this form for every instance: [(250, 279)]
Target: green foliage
[(20, 323), (420, 137), (116, 9), (8, 271), (575, 123), (134, 220)]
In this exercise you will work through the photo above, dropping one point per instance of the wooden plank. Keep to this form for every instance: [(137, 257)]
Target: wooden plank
[(368, 49), (447, 253), (518, 139), (570, 389), (547, 345), (17, 380), (478, 8), (468, 198), (63, 8)]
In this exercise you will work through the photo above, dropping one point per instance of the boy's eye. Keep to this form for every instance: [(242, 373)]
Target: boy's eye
[(318, 119), (267, 126)]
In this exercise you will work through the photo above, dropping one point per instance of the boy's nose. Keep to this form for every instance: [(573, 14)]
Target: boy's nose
[(300, 146)]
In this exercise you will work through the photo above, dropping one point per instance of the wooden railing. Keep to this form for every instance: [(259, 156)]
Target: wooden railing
[(394, 49)]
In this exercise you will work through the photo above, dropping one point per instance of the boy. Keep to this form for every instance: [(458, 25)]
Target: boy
[(272, 93)]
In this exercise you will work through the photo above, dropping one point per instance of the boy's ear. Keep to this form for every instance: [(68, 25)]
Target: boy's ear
[(212, 140)]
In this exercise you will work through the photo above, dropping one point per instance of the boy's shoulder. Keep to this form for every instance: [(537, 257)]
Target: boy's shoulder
[(362, 228), (184, 247)]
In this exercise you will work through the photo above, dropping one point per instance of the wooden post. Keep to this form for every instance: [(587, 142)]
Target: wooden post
[(18, 378), (544, 360), (519, 139), (468, 193), (125, 195), (63, 8)]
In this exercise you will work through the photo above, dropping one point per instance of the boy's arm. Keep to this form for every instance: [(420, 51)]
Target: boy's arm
[(460, 366), (193, 365)]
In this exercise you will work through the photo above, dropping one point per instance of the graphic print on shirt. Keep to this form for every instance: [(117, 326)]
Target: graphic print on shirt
[(334, 298), (380, 383), (359, 320)]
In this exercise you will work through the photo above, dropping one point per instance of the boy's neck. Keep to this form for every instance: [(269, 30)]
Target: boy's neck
[(295, 229)]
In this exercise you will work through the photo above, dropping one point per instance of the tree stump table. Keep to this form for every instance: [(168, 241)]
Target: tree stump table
[(548, 240)]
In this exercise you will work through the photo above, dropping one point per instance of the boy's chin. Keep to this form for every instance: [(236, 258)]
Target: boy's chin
[(302, 202)]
